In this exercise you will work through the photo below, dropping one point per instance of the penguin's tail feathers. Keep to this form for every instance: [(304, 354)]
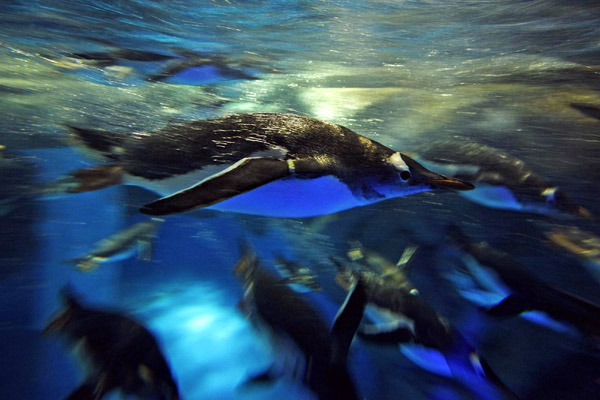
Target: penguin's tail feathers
[(95, 142)]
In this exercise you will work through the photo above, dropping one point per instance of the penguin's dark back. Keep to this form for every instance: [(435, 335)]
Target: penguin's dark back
[(494, 164), (109, 336), (181, 148)]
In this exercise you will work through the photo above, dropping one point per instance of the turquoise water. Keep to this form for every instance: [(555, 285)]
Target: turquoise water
[(404, 73)]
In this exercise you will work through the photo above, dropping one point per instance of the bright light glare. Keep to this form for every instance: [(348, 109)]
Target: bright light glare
[(209, 345)]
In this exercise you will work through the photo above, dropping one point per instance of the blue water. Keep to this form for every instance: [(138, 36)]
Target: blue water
[(400, 72)]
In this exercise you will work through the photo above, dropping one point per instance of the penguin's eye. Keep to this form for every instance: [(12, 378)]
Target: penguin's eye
[(405, 176)]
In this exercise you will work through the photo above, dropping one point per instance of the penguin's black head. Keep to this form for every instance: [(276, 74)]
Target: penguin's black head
[(412, 173)]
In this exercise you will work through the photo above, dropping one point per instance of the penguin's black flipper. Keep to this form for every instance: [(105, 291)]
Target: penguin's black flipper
[(511, 305), (243, 176), (347, 321)]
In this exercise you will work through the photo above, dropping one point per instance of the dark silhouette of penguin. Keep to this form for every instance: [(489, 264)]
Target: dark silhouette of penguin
[(121, 354), (271, 164), (285, 314)]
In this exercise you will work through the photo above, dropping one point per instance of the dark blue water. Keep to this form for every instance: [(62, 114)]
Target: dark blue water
[(400, 72)]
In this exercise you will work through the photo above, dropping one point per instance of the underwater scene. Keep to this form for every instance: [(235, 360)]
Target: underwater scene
[(228, 199)]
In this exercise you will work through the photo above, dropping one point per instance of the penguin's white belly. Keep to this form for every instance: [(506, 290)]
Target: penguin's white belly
[(290, 197), (294, 198), (493, 196)]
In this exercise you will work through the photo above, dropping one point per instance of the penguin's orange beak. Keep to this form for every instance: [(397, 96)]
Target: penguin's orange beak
[(422, 176)]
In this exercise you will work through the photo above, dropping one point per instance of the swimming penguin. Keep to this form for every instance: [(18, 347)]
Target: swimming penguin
[(421, 323), (199, 70), (525, 291), (503, 181), (296, 275), (425, 337), (136, 238), (132, 66), (121, 354), (271, 164), (285, 315)]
